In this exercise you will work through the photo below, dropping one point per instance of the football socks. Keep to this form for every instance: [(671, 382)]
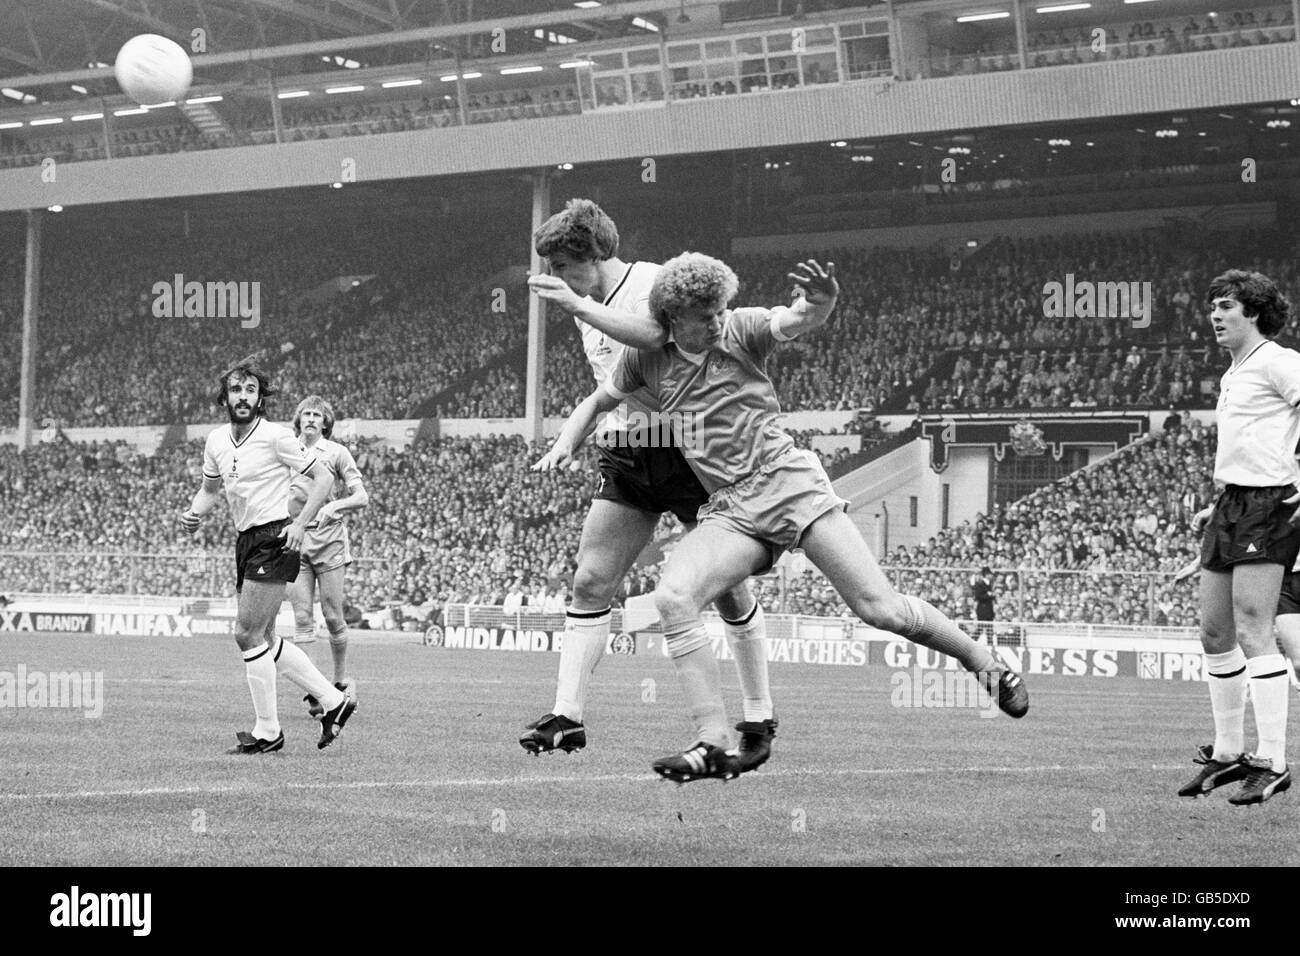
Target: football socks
[(1228, 702), (1269, 692), (586, 633), (748, 640)]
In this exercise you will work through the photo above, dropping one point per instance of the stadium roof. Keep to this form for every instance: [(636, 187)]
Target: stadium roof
[(43, 42)]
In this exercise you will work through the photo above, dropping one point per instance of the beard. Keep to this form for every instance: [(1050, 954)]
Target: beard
[(230, 411)]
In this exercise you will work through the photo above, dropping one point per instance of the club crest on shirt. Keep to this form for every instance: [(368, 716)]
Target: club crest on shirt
[(715, 363)]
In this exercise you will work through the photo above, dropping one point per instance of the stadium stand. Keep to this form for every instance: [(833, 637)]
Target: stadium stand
[(464, 520)]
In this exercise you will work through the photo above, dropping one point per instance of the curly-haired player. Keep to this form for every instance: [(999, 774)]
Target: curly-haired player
[(766, 495)]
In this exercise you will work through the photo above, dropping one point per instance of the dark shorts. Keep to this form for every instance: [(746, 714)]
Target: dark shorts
[(649, 479), (1250, 524), (1288, 602), (260, 555)]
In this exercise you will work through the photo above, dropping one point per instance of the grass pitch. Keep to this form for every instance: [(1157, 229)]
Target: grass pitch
[(429, 772)]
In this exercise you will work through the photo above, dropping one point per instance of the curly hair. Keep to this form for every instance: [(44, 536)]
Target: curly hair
[(582, 230), (316, 404), (245, 370), (690, 280), (1259, 297)]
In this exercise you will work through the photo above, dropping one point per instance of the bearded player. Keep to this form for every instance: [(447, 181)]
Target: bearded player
[(325, 552), (639, 480), (254, 460)]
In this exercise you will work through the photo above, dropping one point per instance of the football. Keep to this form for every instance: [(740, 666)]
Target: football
[(152, 69)]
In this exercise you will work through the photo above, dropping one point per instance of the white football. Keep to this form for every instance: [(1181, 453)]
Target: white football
[(153, 69)]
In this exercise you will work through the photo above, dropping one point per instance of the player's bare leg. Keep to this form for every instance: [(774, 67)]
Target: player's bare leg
[(1255, 589), (302, 594), (1288, 637), (331, 605), (612, 536), (834, 544), (707, 562)]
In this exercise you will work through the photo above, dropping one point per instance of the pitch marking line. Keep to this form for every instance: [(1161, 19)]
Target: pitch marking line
[(521, 780)]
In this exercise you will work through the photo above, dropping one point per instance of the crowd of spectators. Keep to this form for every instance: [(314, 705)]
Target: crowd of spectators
[(1122, 41), (465, 520), (1098, 546), (913, 331)]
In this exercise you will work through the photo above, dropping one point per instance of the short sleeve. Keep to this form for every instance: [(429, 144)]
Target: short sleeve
[(628, 375), (348, 469), (210, 467), (755, 329), (291, 453), (1284, 373)]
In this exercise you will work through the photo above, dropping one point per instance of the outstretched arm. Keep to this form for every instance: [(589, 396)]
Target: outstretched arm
[(820, 290), (636, 329), (575, 431)]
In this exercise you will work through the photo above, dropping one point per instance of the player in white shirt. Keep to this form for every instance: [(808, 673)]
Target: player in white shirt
[(325, 550), (254, 460), (1251, 538), (639, 480)]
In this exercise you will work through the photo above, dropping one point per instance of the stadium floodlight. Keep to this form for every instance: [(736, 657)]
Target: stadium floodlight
[(45, 122), (214, 98), (645, 24), (1063, 7), (78, 88), (586, 4), (395, 83), (138, 111), (513, 70), (1139, 1), (82, 117), (10, 125), (575, 64), (344, 89), (55, 208), (976, 17), (293, 94)]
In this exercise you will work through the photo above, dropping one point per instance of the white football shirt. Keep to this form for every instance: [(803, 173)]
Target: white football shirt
[(1259, 423), (256, 471), (632, 294)]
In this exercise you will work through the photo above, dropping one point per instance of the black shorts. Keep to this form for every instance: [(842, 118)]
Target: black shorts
[(1288, 602), (1250, 524), (260, 555), (650, 479)]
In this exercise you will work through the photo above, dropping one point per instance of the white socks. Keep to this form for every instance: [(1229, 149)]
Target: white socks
[(294, 664), (1270, 689), (1228, 702), (748, 640), (697, 669), (259, 667), (586, 634)]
